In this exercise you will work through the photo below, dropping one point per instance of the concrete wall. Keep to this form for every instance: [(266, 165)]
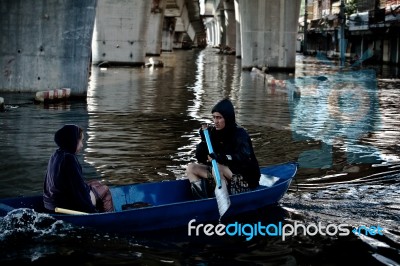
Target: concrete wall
[(45, 44), (120, 32)]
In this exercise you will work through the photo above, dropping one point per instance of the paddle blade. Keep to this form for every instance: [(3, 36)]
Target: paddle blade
[(222, 197)]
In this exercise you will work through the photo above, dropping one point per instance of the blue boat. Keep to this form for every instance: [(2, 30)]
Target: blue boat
[(157, 206)]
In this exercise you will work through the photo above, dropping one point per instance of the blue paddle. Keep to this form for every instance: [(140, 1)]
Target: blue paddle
[(213, 161), (221, 191)]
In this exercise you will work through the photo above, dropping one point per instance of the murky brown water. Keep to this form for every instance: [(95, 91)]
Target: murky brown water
[(141, 124)]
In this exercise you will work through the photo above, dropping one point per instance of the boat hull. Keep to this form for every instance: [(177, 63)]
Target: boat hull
[(171, 204)]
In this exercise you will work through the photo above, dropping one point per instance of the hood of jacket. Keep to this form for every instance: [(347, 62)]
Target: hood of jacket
[(67, 138), (226, 109)]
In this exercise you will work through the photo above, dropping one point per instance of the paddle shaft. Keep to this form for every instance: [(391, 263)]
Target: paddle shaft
[(213, 161), (67, 211)]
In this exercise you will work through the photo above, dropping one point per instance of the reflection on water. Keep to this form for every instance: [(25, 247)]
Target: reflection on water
[(142, 123)]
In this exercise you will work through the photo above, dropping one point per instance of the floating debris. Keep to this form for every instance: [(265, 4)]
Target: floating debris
[(53, 95)]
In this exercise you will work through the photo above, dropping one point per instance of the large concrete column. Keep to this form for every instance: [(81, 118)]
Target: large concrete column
[(168, 34), (222, 28), (215, 33), (238, 46), (120, 32), (45, 45), (154, 32), (230, 25), (268, 33), (178, 40), (209, 32), (218, 31), (180, 31)]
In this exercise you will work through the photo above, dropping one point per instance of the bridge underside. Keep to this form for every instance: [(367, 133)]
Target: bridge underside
[(51, 44), (262, 32)]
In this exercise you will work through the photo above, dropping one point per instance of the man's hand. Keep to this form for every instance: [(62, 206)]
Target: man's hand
[(221, 159), (213, 156), (203, 127)]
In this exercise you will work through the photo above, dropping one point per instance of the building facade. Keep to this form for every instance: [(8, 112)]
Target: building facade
[(371, 29)]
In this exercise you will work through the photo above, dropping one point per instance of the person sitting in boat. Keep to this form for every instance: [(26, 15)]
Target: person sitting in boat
[(64, 185), (233, 151)]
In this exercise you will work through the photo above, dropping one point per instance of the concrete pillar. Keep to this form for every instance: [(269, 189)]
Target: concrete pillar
[(268, 33), (178, 40), (218, 32), (215, 33), (230, 24), (397, 58), (180, 30), (211, 33), (120, 32), (45, 45), (222, 28), (238, 46), (154, 32), (168, 34)]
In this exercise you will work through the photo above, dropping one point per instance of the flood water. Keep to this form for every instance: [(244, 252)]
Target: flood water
[(141, 124)]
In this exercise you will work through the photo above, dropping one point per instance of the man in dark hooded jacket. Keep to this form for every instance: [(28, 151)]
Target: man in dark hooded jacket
[(233, 151), (64, 186)]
